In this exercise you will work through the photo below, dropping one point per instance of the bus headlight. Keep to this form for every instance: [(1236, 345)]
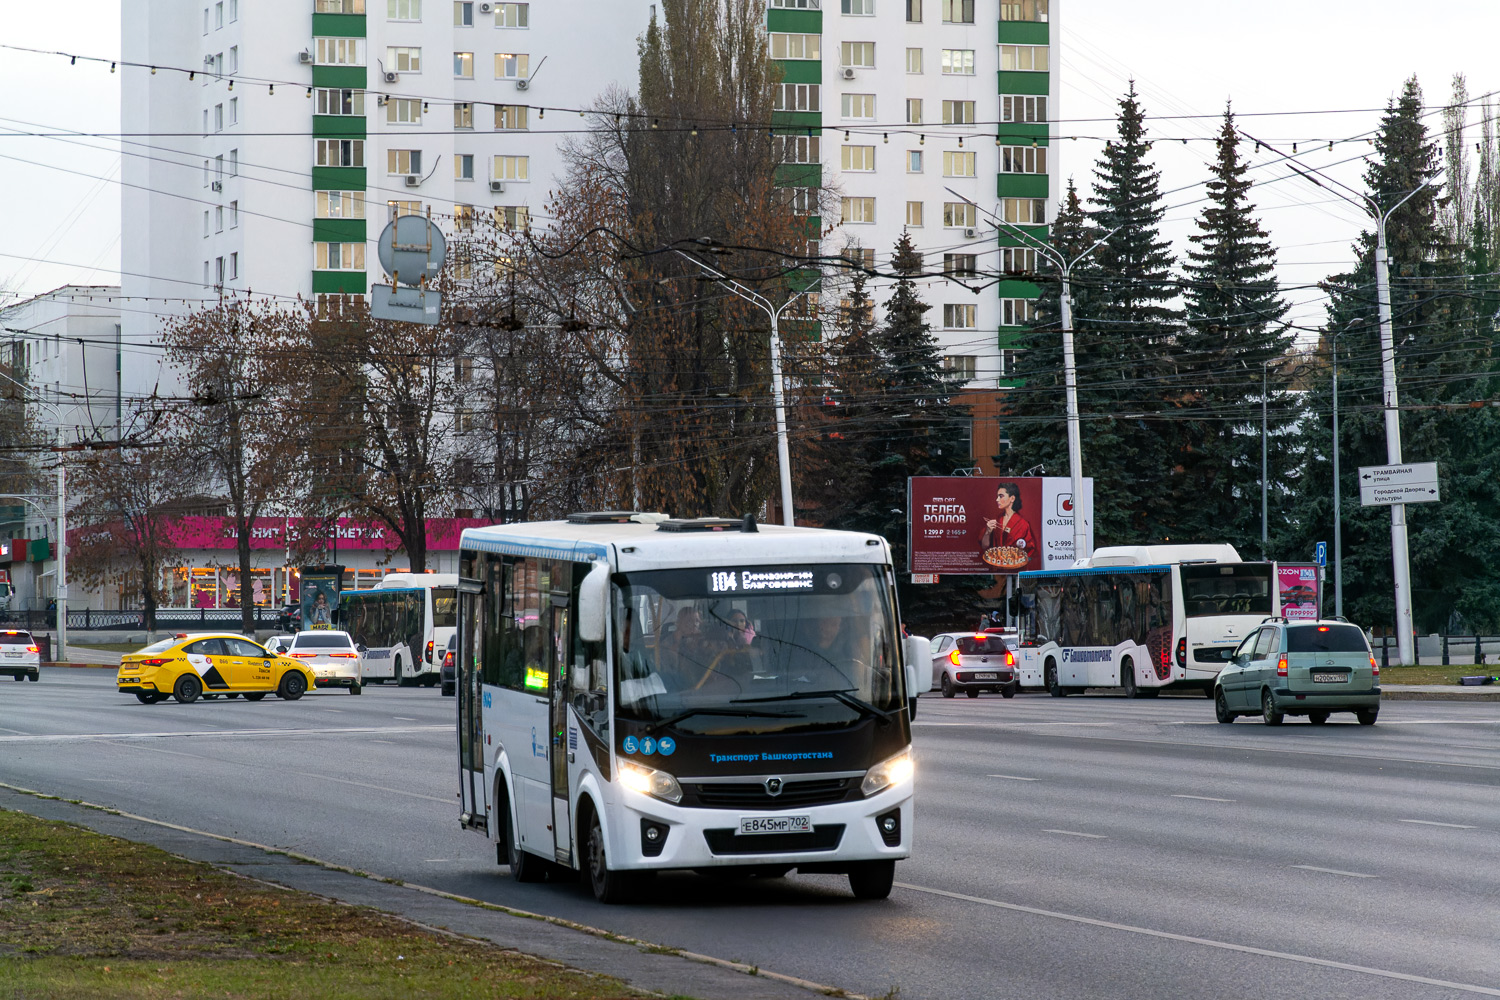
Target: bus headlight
[(648, 781), (891, 771)]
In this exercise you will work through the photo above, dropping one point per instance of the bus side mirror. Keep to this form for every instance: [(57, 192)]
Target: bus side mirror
[(593, 603), (918, 659)]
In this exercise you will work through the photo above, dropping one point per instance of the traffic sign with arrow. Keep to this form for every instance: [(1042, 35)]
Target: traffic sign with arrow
[(1382, 485)]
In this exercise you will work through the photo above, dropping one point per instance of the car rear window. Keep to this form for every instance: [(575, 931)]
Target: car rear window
[(159, 646), (14, 638), (979, 645), (1325, 639), (321, 642)]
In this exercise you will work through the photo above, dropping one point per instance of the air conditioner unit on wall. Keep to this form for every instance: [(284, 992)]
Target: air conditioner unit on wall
[(523, 84), (216, 186), (971, 233), (305, 57), (497, 186), (485, 8), (848, 72), (412, 180), (391, 77)]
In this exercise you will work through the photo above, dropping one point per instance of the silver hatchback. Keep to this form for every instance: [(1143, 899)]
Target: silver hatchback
[(1310, 668)]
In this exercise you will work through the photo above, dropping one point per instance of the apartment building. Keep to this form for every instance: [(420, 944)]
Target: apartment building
[(917, 111)]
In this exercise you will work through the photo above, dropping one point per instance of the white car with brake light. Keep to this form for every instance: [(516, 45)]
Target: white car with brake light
[(332, 656)]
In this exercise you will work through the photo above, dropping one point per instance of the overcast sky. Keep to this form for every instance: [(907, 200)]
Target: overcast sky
[(1307, 72)]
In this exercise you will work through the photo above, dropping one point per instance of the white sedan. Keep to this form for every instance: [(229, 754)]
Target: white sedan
[(332, 656)]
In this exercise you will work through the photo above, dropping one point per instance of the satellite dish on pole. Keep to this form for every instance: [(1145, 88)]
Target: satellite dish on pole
[(412, 251)]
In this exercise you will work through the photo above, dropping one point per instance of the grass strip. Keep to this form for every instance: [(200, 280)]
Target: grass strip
[(1432, 675), (85, 915)]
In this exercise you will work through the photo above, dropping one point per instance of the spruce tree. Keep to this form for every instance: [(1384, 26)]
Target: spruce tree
[(1234, 312)]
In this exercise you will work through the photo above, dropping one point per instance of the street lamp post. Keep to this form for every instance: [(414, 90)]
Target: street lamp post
[(1264, 479)]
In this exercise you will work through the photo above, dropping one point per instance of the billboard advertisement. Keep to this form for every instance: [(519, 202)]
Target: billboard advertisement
[(993, 525), (1297, 590), (320, 595)]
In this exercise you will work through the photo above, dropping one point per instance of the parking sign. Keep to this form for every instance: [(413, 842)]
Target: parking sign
[(1320, 554)]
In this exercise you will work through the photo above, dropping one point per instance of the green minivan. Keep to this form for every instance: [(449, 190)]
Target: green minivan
[(1309, 668)]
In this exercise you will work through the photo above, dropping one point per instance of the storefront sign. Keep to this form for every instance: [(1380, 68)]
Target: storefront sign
[(305, 533)]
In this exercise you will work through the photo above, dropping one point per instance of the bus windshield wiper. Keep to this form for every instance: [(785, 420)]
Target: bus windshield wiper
[(734, 713), (841, 694)]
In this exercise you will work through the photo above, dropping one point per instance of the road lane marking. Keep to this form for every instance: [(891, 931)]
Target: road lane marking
[(1206, 942), (378, 788), (1334, 871), (1011, 777), (1202, 798), (1428, 822), (1075, 833), (341, 731), (402, 718)]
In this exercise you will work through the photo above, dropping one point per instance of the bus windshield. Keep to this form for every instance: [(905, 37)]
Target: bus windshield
[(444, 607), (765, 649), (1226, 589)]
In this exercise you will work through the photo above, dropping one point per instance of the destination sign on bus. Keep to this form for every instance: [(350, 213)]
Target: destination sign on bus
[(749, 581)]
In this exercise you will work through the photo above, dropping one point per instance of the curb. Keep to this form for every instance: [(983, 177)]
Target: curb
[(1389, 693), (93, 666)]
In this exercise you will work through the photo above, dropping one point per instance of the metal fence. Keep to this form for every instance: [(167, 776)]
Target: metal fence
[(1442, 650), (116, 621)]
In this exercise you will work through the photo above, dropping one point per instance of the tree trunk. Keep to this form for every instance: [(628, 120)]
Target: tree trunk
[(247, 604)]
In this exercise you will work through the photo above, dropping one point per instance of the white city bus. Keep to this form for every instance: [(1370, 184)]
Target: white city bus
[(404, 623), (639, 694), (1141, 617)]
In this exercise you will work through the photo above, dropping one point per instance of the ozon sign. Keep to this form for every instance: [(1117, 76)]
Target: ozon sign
[(992, 525)]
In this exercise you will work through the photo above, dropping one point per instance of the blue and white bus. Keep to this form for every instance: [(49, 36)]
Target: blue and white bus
[(404, 623), (640, 694)]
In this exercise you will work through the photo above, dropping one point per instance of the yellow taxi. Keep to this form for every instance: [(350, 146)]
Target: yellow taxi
[(187, 666)]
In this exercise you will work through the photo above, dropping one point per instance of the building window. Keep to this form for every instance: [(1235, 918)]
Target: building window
[(797, 4), (914, 213), (958, 62), (463, 369), (857, 8), (340, 153), (341, 205), (512, 168), (958, 11), (859, 106), (1017, 312), (1018, 108), (218, 218), (463, 115), (207, 173), (914, 61), (914, 11), (339, 257), (234, 10), (859, 256), (339, 51), (403, 10), (463, 217), (339, 6), (914, 161), (336, 304), (960, 317), (848, 315), (796, 97), (512, 15), (463, 13), (859, 210), (958, 112), (218, 117), (798, 149), (219, 166), (463, 65), (219, 15), (510, 116), (205, 121), (207, 225), (234, 163), (961, 366), (1023, 10), (403, 111), (1024, 57), (234, 215), (799, 200), (785, 45), (218, 270), (403, 161), (512, 217), (1023, 159), (463, 167), (234, 111), (340, 102), (234, 266), (961, 265), (913, 111), (860, 55), (234, 58), (400, 208), (861, 158), (1017, 260), (403, 58), (959, 215), (957, 164), (512, 65), (1025, 211), (205, 263)]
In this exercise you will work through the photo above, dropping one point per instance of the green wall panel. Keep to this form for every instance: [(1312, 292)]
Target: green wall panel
[(799, 175), (339, 230), (787, 121), (335, 282), (343, 126), (1021, 185), (808, 22), (339, 25), (1023, 33), (801, 70), (338, 178), (344, 76), (1023, 133), (1012, 289), (1016, 82)]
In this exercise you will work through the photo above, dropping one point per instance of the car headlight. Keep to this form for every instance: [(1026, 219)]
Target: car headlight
[(891, 771), (649, 781)]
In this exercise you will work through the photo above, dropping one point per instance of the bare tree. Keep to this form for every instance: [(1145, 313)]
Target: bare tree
[(1458, 213)]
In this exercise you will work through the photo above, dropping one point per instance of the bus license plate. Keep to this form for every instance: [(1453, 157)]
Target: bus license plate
[(1324, 677), (774, 824), (986, 677)]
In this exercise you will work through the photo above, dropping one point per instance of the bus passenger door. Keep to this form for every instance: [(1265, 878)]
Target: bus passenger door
[(559, 645), (473, 796)]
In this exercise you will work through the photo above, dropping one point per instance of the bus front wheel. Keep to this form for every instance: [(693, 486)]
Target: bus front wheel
[(609, 885), (872, 879)]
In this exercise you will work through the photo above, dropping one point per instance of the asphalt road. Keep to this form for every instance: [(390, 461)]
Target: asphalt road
[(1084, 848)]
